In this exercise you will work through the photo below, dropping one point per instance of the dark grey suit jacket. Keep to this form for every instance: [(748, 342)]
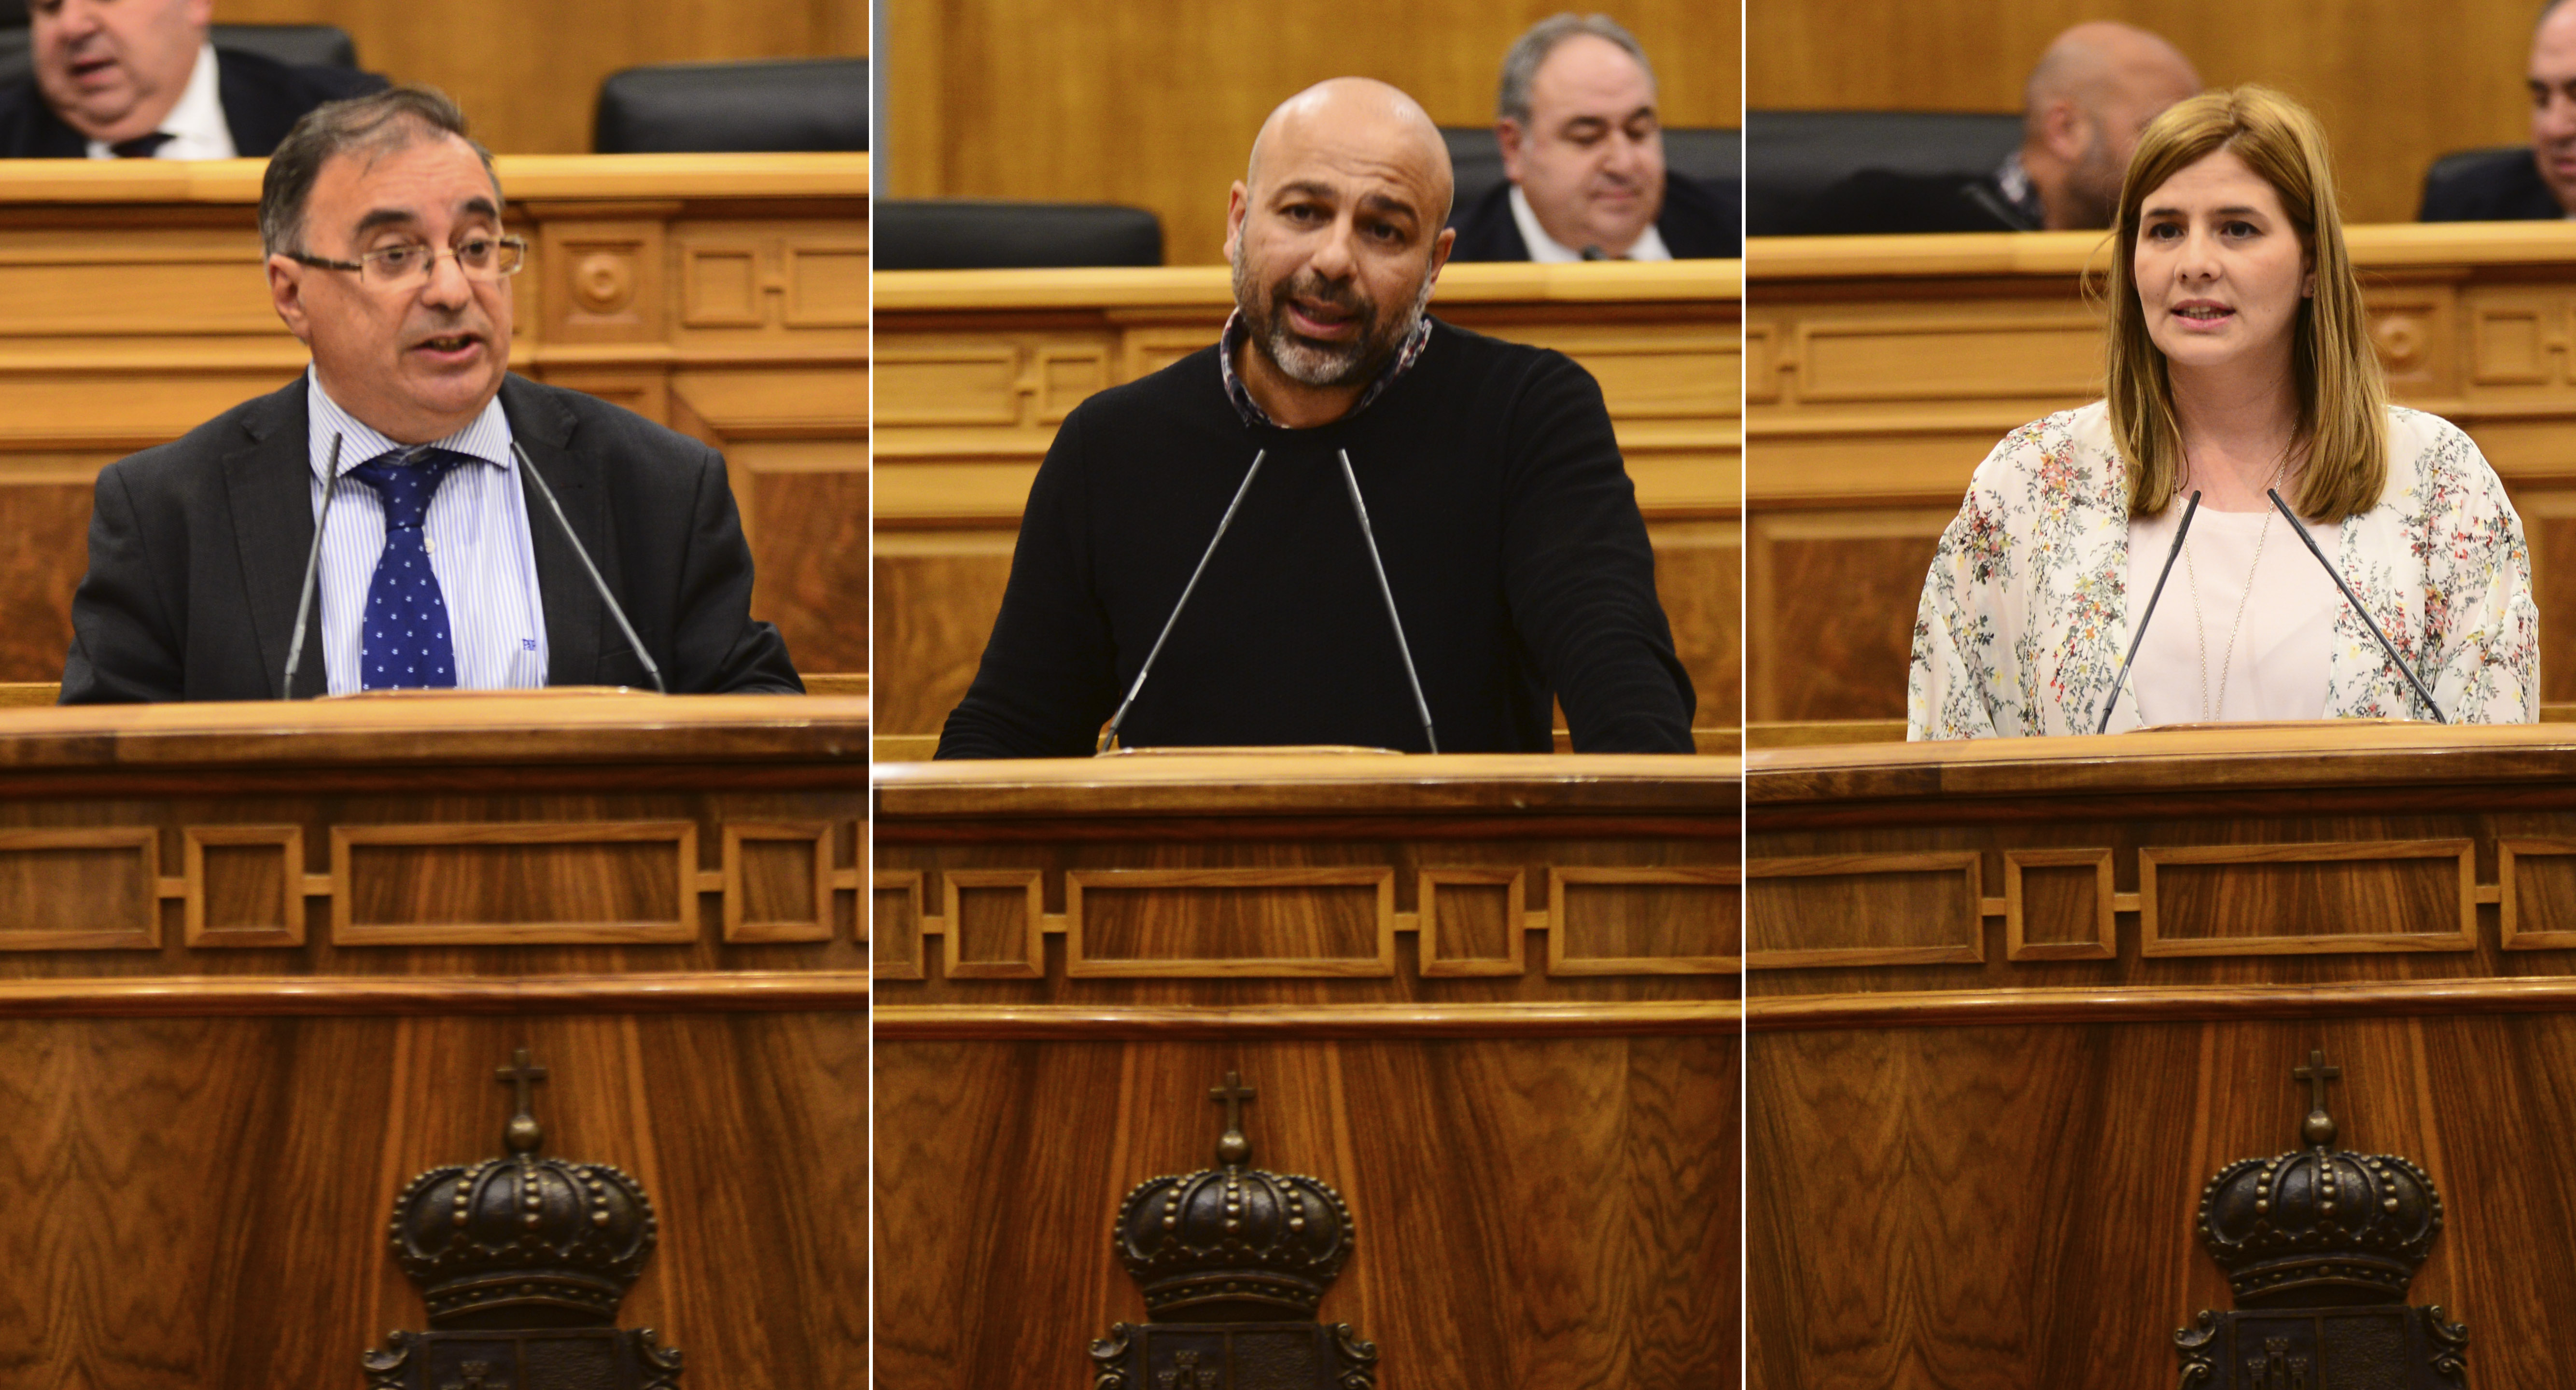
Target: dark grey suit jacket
[(197, 551)]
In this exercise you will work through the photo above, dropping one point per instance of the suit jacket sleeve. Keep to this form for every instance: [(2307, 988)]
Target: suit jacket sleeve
[(1580, 575), (716, 646), (125, 646), (1048, 679)]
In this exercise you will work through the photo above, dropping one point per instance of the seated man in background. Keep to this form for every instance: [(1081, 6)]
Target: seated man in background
[(443, 559), (2543, 186), (1583, 153), (1220, 512), (137, 79), (2093, 91)]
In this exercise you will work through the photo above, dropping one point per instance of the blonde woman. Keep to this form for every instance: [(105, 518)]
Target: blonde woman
[(2240, 366)]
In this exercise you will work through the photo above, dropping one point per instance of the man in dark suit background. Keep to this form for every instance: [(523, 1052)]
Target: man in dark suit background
[(2083, 106), (2543, 186), (1584, 155), (137, 78), (441, 563)]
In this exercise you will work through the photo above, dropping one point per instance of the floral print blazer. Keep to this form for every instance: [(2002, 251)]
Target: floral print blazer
[(2025, 615)]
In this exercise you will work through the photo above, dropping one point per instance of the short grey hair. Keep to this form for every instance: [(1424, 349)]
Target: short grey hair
[(378, 123), (1521, 65)]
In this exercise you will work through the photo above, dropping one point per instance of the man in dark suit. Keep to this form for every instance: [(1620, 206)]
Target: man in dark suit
[(438, 567), (2541, 186), (2092, 92), (137, 78), (1584, 156)]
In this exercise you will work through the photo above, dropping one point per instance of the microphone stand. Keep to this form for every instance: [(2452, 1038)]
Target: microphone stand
[(1109, 735), (312, 572), (2355, 600), (2140, 635)]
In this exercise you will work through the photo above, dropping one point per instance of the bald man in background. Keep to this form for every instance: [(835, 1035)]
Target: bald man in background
[(2542, 187), (1514, 556), (2093, 91)]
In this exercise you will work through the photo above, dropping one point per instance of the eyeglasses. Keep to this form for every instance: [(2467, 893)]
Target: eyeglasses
[(408, 263)]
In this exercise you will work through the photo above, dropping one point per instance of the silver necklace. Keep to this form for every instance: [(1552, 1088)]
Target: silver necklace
[(2200, 624)]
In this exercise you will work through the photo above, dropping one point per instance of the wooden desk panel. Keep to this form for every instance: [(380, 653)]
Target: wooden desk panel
[(2064, 981), (1881, 370), (215, 1117), (976, 369), (725, 296), (1490, 999)]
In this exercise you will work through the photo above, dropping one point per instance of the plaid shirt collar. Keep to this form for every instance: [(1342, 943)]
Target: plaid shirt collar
[(1237, 332)]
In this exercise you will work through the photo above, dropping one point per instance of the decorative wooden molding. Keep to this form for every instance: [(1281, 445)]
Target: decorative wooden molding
[(1972, 909), (1031, 962), (2153, 940), (287, 843), (817, 836), (2510, 852), (43, 886), (2104, 943), (913, 1023), (901, 954), (2160, 1004), (347, 841), (1432, 962), (1081, 964), (1562, 961), (228, 996)]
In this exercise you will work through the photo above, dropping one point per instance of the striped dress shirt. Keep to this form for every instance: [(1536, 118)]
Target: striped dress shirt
[(479, 548)]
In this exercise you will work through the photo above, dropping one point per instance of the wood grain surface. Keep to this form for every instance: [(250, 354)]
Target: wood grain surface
[(976, 369), (1156, 104), (725, 296), (203, 1201), (2395, 85), (2014, 1206), (1558, 1213), (1541, 1164), (529, 74), (1881, 369), (1983, 1173)]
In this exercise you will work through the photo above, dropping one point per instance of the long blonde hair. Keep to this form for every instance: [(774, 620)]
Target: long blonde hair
[(2342, 395)]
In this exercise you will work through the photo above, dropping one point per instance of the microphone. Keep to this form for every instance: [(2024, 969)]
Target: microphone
[(1594, 253), (1420, 705), (1109, 736), (633, 642), (2141, 634), (2355, 600), (312, 572)]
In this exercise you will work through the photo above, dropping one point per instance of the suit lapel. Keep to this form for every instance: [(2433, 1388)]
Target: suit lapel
[(268, 482), (575, 621)]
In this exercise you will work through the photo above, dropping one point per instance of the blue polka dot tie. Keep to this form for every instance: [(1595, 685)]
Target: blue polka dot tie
[(408, 641)]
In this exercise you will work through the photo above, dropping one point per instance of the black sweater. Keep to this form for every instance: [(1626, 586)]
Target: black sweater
[(1509, 530)]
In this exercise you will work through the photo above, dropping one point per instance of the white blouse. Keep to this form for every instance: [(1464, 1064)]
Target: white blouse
[(2187, 672)]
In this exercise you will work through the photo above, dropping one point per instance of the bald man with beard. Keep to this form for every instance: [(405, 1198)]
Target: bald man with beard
[(2093, 91), (1512, 548)]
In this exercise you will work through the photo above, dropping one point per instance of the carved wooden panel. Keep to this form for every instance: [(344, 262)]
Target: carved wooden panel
[(1937, 358), (894, 924), (1260, 923), (996, 928), (778, 882), (2058, 905), (807, 514), (500, 884), (80, 889), (1865, 909), (1830, 616), (2536, 897), (245, 885), (1473, 921), (2272, 899), (602, 279), (1617, 921)]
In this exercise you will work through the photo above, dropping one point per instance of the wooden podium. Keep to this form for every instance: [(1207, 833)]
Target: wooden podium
[(1489, 999), (260, 963), (2012, 1003)]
